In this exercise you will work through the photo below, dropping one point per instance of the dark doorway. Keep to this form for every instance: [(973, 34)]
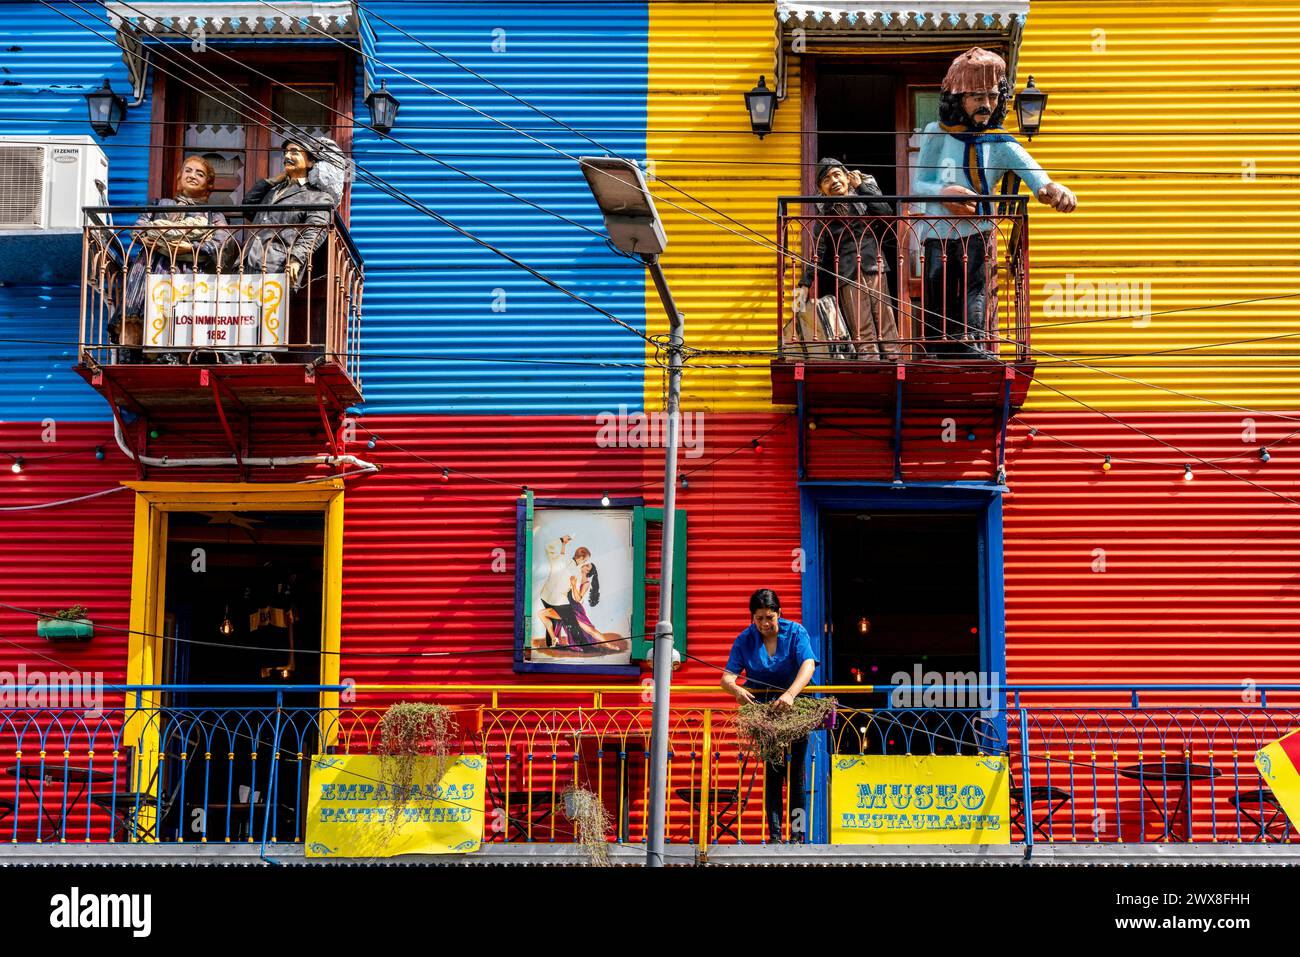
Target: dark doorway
[(243, 592), (904, 598), (855, 120)]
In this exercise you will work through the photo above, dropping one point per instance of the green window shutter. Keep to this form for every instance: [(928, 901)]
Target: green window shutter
[(645, 601)]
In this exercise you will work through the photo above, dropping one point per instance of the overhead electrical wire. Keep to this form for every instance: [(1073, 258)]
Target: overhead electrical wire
[(405, 198), (532, 157), (408, 200)]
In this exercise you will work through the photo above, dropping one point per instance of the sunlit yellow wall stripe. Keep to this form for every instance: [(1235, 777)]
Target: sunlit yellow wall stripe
[(1181, 89), (1188, 88), (703, 58)]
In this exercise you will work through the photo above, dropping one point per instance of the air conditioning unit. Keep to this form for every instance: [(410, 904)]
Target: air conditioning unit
[(46, 180)]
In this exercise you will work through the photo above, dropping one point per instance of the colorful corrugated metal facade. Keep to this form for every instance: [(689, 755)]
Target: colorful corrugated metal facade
[(1131, 575)]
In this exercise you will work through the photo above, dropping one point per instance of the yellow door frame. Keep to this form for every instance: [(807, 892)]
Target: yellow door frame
[(153, 503)]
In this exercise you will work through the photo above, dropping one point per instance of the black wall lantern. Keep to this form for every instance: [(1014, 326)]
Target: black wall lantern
[(1030, 104), (107, 110), (761, 103), (383, 108)]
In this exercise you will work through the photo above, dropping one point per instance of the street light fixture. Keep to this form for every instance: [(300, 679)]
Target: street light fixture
[(1030, 104), (383, 108), (624, 199), (634, 227), (761, 103), (107, 110)]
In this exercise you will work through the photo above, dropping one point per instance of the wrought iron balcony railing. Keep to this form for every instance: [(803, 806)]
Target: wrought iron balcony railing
[(168, 767), (903, 286), (170, 285)]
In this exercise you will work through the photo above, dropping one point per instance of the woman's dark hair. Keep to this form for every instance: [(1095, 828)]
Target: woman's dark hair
[(764, 598), (593, 596), (952, 114)]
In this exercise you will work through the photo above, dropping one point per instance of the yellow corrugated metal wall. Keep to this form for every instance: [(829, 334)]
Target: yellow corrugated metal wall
[(1175, 122), (1159, 115), (703, 58)]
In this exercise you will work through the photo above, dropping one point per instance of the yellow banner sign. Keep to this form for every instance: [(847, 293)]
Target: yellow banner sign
[(906, 799), (352, 811)]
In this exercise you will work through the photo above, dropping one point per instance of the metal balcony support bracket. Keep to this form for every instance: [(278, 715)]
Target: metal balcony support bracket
[(335, 446), (115, 403), (206, 378), (803, 419), (900, 375), (1001, 474)]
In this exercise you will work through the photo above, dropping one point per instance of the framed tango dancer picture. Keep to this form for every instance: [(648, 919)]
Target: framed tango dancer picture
[(580, 584)]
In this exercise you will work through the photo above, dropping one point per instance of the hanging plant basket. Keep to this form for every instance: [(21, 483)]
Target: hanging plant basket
[(63, 629), (70, 624)]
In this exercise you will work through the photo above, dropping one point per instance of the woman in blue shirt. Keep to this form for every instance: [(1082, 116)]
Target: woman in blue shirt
[(777, 659)]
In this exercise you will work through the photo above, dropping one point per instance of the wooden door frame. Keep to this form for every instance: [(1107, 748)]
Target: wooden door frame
[(172, 85)]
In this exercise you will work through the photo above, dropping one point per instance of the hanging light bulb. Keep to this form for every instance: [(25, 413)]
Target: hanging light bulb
[(970, 435), (1105, 465), (226, 627), (155, 433), (17, 466), (446, 475), (812, 425), (1032, 434), (685, 484), (99, 452), (864, 626), (1263, 453), (756, 445), (604, 500), (374, 440), (1187, 473)]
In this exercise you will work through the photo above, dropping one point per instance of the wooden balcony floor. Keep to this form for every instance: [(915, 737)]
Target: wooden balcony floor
[(155, 390), (863, 384)]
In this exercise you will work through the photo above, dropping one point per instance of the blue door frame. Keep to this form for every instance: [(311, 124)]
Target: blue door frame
[(816, 498)]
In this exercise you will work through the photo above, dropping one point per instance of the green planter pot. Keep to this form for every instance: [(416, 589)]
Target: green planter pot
[(59, 629)]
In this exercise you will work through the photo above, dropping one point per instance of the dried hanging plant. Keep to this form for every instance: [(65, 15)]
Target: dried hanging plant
[(768, 733), (591, 822), (408, 732)]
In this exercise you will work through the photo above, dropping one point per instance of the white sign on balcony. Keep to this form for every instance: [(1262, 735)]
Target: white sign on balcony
[(205, 311)]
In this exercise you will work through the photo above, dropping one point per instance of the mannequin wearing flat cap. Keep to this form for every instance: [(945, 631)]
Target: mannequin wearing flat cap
[(289, 247), (969, 153), (847, 263)]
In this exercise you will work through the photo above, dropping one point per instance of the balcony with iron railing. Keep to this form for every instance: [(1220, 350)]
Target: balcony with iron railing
[(902, 308), (1163, 770), (177, 313)]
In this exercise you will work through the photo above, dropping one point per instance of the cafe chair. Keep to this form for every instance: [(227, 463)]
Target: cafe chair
[(1038, 794), (722, 802), (1268, 816), (138, 814)]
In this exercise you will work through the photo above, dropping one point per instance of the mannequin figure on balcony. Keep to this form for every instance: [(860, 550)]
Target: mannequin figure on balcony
[(176, 241), (848, 266), (314, 174), (969, 153)]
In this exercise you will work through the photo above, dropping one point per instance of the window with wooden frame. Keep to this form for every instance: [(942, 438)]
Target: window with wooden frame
[(587, 584), (235, 114)]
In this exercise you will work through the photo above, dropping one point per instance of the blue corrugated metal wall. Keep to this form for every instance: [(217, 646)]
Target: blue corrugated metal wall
[(430, 294), (46, 64), (443, 316)]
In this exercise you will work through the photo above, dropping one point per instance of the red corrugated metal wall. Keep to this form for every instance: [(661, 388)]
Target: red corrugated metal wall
[(73, 554), (419, 553), (1199, 579)]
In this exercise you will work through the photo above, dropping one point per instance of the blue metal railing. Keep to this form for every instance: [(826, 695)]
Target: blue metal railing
[(225, 767)]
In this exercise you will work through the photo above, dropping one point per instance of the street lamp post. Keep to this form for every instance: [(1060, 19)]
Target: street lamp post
[(634, 227)]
